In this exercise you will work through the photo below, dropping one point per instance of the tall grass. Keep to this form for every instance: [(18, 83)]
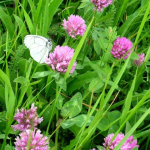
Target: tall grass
[(39, 84)]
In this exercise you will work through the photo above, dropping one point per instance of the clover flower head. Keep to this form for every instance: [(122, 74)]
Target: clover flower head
[(27, 119), (121, 48), (34, 138), (100, 4), (140, 60), (60, 58), (74, 26), (129, 144)]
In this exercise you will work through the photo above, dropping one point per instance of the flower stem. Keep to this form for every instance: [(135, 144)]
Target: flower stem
[(57, 116)]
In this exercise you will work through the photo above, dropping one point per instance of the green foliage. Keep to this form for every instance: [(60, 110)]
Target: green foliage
[(72, 107), (78, 121), (7, 22), (3, 121), (14, 62), (41, 74), (102, 96), (81, 80)]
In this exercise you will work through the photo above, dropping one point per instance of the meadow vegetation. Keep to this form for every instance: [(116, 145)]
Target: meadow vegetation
[(90, 91)]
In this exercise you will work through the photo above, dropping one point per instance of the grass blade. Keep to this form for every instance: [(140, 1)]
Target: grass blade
[(128, 100), (142, 23), (22, 27), (123, 5), (132, 129), (50, 10), (78, 49), (6, 19)]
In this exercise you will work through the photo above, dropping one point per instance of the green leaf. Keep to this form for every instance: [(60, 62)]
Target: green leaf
[(67, 124), (85, 3), (2, 136), (62, 83), (78, 49), (41, 74), (28, 21), (128, 100), (2, 57), (128, 127), (108, 119), (115, 84), (129, 22), (21, 79), (142, 24), (46, 115), (79, 66), (22, 26), (96, 84), (3, 121), (133, 128), (56, 75), (134, 56), (112, 129), (49, 13), (121, 10), (80, 80), (1, 61), (38, 11), (59, 102), (8, 147), (42, 101), (102, 43), (10, 100), (2, 94), (72, 107), (97, 47), (95, 35), (100, 147), (78, 121), (36, 82), (124, 28), (6, 19)]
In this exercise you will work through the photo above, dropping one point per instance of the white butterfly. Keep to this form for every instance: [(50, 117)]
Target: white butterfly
[(39, 47)]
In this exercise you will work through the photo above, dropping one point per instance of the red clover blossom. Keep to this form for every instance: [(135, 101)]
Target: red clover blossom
[(74, 26), (27, 119), (34, 138), (121, 48), (140, 60), (129, 144), (60, 58), (100, 4)]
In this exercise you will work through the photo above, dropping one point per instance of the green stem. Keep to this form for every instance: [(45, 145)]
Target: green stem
[(57, 116), (57, 131), (85, 53), (53, 107)]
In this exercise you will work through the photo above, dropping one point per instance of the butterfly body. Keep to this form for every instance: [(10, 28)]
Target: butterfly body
[(39, 47), (49, 43)]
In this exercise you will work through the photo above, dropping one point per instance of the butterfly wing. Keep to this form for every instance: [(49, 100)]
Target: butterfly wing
[(38, 46)]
